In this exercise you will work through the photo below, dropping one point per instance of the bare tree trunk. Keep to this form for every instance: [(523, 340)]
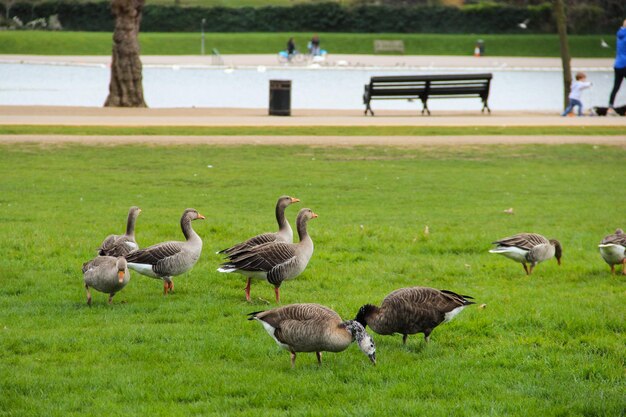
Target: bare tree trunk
[(125, 88), (561, 24)]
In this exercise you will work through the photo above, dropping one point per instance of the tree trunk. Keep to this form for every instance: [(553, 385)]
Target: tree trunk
[(561, 24), (125, 88)]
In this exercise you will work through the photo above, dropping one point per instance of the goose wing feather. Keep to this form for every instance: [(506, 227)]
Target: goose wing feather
[(154, 254), (264, 257), (523, 240), (252, 242), (615, 239)]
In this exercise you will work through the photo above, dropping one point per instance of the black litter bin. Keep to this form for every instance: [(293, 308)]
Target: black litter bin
[(280, 97)]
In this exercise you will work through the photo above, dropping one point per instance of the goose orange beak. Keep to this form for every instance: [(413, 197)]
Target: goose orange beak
[(295, 200), (200, 216), (314, 216), (120, 275)]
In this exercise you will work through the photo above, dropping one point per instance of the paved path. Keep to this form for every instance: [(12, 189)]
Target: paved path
[(424, 62)]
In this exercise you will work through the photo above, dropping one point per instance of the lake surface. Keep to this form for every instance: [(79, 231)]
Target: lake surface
[(318, 88)]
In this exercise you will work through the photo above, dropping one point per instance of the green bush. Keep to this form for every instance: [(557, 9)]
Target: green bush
[(325, 17)]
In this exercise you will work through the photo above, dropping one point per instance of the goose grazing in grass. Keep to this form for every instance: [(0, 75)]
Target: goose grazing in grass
[(412, 310), (275, 261), (528, 248), (120, 245), (313, 328), (106, 274), (284, 234), (613, 250), (168, 259)]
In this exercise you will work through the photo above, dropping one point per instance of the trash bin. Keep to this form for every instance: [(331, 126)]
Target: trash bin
[(280, 97)]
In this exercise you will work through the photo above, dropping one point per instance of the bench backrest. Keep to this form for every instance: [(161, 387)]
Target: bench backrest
[(430, 85), (388, 46)]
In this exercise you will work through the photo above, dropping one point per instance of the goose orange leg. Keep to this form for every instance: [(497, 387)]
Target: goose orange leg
[(111, 297), (624, 267), (88, 295), (526, 269), (248, 289), (293, 359), (277, 292)]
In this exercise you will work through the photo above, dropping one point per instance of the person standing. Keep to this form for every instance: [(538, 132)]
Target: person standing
[(578, 85), (619, 67), (291, 48)]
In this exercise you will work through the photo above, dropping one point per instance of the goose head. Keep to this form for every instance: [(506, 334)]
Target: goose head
[(285, 201), (558, 250), (192, 214), (305, 215), (133, 212), (121, 266), (362, 338), (619, 232)]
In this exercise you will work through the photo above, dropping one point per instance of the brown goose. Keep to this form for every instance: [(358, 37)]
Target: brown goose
[(168, 259), (274, 261), (120, 245), (613, 250), (313, 328), (529, 248), (106, 274), (284, 234), (412, 310)]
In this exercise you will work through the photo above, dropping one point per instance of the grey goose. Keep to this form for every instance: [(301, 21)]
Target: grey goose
[(284, 233), (120, 245), (168, 259), (313, 328), (106, 274), (528, 248), (613, 250), (274, 261), (412, 310)]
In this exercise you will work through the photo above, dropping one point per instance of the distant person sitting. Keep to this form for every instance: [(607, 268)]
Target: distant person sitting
[(291, 48), (578, 85), (314, 46), (619, 67)]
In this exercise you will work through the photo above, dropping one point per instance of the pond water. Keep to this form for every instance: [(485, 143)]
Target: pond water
[(319, 88)]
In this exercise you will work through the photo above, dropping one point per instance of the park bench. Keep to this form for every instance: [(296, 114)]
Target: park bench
[(423, 87), (388, 46)]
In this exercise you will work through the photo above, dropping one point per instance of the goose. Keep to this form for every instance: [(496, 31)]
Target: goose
[(529, 248), (274, 261), (412, 310), (313, 328), (168, 259), (284, 234), (107, 274), (613, 250), (120, 245)]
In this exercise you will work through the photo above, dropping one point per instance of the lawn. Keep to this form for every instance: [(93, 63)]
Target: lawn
[(551, 344), (99, 43)]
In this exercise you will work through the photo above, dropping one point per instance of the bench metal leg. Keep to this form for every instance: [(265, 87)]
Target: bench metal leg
[(425, 108), (485, 106), (368, 108)]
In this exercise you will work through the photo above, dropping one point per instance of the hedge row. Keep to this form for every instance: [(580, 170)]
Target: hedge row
[(324, 17)]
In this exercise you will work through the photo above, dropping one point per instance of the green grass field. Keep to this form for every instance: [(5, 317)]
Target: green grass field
[(552, 344), (99, 43)]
